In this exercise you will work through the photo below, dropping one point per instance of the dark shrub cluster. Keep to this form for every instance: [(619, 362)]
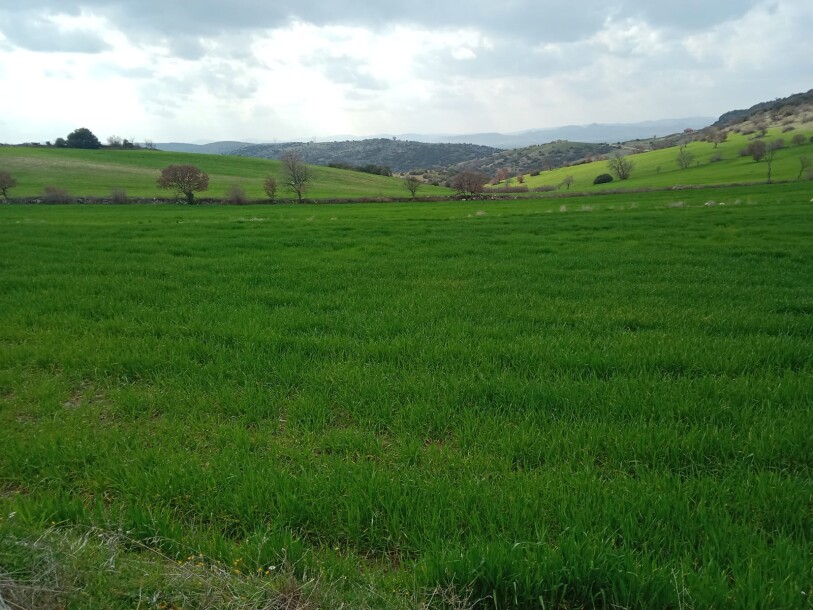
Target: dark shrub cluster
[(53, 194), (370, 168), (236, 195)]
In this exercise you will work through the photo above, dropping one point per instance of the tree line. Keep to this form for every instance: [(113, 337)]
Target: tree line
[(83, 138), (186, 180)]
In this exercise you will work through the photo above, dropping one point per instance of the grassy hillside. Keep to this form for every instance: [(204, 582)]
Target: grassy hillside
[(97, 172), (599, 404), (659, 169)]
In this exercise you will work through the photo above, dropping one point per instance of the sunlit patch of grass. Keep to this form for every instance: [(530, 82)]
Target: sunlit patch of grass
[(659, 169)]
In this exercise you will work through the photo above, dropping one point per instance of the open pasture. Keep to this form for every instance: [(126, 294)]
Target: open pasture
[(96, 173), (605, 404)]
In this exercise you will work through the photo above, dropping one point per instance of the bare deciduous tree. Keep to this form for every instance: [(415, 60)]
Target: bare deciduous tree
[(297, 173), (149, 144), (718, 136), (270, 187), (502, 174), (685, 158), (757, 150), (621, 166), (185, 179), (469, 182), (567, 182), (804, 163), (770, 153), (412, 184), (799, 139), (7, 182)]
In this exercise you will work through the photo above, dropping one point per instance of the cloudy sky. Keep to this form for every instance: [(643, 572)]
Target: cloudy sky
[(200, 70)]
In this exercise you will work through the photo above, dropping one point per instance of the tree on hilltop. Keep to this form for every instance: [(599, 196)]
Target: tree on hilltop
[(83, 138), (185, 179)]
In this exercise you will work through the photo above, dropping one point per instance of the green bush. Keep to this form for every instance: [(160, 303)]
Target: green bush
[(603, 179)]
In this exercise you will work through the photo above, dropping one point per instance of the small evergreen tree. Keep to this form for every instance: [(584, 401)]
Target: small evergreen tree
[(83, 138)]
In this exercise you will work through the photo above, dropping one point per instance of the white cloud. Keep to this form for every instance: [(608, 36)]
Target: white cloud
[(463, 53), (255, 70)]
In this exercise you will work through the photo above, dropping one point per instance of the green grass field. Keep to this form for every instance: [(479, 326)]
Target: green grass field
[(89, 173), (659, 168), (599, 402)]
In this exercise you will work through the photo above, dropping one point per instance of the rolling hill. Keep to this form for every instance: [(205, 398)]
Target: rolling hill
[(595, 133), (534, 158), (95, 173), (772, 111), (786, 122), (721, 165), (398, 155)]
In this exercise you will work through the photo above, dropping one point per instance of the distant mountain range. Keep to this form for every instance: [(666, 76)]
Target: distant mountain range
[(213, 148), (594, 133)]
